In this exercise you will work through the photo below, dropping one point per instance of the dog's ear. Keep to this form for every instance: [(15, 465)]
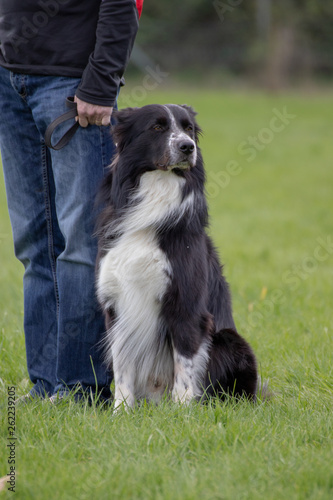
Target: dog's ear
[(193, 114), (121, 130), (123, 115), (189, 109)]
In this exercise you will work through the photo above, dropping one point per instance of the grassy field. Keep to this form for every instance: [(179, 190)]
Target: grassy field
[(270, 185)]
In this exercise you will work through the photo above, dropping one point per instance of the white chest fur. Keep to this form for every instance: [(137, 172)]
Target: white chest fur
[(133, 275), (135, 261)]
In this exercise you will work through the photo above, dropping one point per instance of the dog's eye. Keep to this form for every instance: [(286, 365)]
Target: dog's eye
[(158, 127), (188, 128)]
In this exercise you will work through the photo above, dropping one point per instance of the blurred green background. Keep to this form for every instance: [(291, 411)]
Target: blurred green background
[(274, 44)]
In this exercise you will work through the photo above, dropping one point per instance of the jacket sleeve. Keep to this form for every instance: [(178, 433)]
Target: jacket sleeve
[(115, 34)]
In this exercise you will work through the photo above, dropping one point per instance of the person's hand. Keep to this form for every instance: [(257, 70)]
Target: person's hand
[(91, 114)]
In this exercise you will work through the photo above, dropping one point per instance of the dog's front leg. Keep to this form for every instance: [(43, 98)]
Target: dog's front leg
[(124, 378)]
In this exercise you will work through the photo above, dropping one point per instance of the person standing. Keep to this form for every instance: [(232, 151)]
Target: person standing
[(50, 50)]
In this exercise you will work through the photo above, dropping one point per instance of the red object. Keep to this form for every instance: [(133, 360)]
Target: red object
[(139, 5)]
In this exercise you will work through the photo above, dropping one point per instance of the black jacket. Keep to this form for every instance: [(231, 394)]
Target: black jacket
[(89, 39)]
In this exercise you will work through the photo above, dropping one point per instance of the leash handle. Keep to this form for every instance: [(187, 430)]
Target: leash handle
[(72, 113)]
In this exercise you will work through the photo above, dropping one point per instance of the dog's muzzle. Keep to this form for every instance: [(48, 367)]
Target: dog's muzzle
[(181, 154), (187, 152), (187, 155)]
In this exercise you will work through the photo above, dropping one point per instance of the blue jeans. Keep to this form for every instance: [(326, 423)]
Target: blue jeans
[(50, 197)]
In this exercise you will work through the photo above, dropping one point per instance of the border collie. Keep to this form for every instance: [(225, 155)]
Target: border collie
[(167, 305)]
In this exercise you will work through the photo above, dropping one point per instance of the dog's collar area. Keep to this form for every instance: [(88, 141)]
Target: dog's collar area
[(180, 166)]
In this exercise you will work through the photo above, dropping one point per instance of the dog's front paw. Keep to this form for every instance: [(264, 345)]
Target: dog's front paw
[(120, 405), (124, 398)]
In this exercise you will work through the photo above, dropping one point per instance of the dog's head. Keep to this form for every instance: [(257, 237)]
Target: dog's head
[(164, 137)]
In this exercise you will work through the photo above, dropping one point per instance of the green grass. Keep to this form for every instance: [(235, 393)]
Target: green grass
[(265, 220)]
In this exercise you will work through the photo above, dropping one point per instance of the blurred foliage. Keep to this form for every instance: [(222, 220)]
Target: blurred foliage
[(277, 40)]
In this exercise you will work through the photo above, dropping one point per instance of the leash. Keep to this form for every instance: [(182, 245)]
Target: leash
[(72, 113)]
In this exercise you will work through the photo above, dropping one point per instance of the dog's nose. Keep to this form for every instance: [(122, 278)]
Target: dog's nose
[(186, 147)]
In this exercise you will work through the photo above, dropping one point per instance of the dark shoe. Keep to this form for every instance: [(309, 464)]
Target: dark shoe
[(80, 397), (28, 398), (36, 393)]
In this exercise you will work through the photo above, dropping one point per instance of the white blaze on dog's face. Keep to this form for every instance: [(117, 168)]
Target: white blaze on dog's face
[(181, 147)]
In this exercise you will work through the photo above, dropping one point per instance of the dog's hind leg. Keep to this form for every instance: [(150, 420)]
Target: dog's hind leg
[(189, 374), (183, 389)]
